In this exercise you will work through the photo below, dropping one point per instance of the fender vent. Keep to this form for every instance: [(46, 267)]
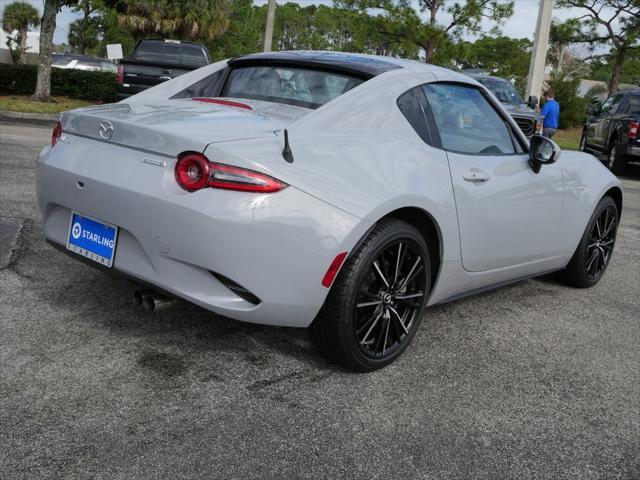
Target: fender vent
[(239, 290)]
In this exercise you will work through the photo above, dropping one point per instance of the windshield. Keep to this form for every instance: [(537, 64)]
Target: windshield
[(295, 86), (503, 90)]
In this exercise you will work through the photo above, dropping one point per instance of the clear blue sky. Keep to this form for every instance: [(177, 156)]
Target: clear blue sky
[(521, 24)]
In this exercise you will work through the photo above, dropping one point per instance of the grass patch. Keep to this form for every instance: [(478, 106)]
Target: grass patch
[(21, 103), (568, 139)]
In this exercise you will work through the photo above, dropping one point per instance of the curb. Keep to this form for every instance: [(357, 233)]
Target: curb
[(46, 119)]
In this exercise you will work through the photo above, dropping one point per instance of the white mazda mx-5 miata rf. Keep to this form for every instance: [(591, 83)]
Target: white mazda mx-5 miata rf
[(338, 191)]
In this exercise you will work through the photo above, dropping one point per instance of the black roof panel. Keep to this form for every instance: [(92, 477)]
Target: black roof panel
[(358, 65)]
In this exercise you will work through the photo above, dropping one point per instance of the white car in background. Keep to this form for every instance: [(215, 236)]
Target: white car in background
[(82, 62)]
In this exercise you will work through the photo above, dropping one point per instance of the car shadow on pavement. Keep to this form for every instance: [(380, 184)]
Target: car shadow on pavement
[(104, 302)]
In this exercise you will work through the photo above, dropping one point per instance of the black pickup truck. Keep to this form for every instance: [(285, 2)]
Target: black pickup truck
[(156, 61), (611, 129)]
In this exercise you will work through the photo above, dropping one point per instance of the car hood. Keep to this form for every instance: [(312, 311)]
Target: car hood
[(175, 126), (521, 110)]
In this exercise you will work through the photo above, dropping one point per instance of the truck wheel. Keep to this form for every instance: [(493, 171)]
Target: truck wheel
[(615, 160), (583, 143)]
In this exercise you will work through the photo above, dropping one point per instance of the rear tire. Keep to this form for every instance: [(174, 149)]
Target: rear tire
[(615, 160), (583, 142), (376, 303), (591, 258)]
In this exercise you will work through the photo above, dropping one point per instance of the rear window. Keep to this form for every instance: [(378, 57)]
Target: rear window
[(60, 59), (193, 55), (294, 86), (171, 53), (149, 52), (634, 104)]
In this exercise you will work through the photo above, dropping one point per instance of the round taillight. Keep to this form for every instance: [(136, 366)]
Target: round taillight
[(56, 134), (192, 171)]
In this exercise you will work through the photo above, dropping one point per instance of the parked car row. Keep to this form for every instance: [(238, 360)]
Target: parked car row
[(611, 129)]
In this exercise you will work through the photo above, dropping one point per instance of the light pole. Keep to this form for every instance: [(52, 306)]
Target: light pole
[(540, 44), (268, 30)]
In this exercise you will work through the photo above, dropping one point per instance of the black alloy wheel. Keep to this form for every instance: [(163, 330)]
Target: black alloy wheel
[(375, 305), (389, 298), (593, 254), (601, 242)]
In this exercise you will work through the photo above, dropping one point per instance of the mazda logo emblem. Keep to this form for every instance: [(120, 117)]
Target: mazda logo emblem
[(106, 130)]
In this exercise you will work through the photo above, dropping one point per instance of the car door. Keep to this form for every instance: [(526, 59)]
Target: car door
[(507, 214), (603, 120)]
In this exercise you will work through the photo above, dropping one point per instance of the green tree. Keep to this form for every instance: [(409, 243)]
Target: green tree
[(614, 23), (500, 56), (19, 16), (47, 27), (312, 27), (401, 20), (243, 34), (185, 20), (84, 33)]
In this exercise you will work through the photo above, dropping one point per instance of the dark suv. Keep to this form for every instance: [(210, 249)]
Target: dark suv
[(523, 113), (612, 129)]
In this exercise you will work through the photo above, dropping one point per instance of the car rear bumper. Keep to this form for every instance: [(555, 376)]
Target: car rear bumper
[(276, 246)]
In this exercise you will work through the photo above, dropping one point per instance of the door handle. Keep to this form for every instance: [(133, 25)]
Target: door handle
[(475, 175)]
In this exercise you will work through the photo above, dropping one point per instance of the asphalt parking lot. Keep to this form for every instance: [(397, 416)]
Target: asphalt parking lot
[(532, 381)]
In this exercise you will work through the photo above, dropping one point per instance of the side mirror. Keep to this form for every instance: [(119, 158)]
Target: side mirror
[(532, 102), (542, 151), (591, 110)]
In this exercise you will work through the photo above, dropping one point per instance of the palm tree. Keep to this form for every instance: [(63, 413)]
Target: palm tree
[(195, 19), (19, 16)]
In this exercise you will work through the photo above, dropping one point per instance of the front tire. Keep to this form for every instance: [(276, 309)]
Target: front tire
[(591, 258), (377, 301)]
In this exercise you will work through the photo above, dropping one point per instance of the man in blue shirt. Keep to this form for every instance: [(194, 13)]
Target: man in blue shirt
[(551, 112)]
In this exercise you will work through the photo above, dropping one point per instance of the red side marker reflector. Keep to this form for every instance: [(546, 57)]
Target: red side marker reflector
[(219, 101), (333, 269)]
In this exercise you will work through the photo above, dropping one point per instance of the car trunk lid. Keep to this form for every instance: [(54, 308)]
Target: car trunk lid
[(175, 126)]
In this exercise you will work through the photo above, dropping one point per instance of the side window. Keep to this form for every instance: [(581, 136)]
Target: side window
[(466, 121), (411, 105), (611, 104)]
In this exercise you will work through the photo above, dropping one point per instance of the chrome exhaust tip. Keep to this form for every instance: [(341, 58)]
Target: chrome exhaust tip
[(154, 302), (138, 296)]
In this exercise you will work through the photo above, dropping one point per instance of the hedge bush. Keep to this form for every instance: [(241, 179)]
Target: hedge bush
[(85, 85)]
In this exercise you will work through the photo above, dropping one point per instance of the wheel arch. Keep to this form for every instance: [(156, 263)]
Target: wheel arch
[(424, 222), (616, 194)]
